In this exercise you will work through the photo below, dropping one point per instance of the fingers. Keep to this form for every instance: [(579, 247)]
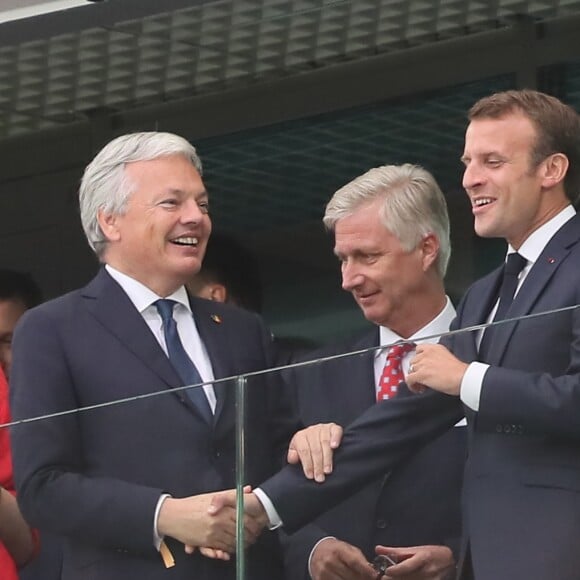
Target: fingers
[(419, 562), (328, 445), (214, 554), (299, 452), (313, 447), (333, 559), (335, 435), (222, 499)]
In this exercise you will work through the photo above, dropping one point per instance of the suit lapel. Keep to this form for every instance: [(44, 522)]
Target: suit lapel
[(113, 309), (474, 310), (548, 262), (361, 372), (214, 335)]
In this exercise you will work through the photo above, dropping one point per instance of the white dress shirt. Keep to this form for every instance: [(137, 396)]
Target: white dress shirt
[(143, 299), (470, 390)]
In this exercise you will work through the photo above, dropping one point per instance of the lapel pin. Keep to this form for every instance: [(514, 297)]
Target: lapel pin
[(551, 260), (216, 318)]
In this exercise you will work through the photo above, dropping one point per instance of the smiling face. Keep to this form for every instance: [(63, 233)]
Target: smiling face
[(510, 198), (161, 238), (387, 281)]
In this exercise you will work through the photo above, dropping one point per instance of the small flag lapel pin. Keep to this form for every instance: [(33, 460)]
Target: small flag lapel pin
[(216, 318)]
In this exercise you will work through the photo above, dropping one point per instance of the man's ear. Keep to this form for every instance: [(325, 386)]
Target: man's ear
[(554, 169), (218, 292), (108, 225), (429, 250)]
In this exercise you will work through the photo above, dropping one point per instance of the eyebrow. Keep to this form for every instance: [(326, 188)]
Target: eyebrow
[(174, 191)]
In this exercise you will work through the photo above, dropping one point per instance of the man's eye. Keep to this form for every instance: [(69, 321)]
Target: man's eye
[(204, 206), (169, 202), (494, 162)]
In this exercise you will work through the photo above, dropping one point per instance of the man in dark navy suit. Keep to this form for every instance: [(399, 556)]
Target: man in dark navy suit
[(391, 232), (519, 386), (128, 485)]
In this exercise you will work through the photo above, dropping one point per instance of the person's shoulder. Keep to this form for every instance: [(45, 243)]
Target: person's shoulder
[(59, 308), (358, 342), (222, 312)]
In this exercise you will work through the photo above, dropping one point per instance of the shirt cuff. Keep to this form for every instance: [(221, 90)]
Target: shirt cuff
[(313, 550), (157, 539), (275, 521), (470, 391)]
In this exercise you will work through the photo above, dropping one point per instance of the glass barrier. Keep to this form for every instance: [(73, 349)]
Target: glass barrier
[(260, 409)]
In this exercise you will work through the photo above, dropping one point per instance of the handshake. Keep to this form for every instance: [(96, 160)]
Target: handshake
[(208, 521)]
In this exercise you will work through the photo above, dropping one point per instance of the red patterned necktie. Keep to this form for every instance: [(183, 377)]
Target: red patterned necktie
[(392, 374)]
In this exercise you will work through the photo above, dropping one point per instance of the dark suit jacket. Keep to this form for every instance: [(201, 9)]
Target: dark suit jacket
[(417, 504), (95, 477), (522, 479)]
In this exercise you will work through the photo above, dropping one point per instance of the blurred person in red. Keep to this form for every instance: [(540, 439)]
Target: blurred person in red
[(17, 543)]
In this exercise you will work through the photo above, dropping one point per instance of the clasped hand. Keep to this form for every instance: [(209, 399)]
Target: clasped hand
[(208, 522)]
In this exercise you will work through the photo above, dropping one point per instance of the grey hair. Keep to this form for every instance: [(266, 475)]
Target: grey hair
[(105, 185), (413, 206)]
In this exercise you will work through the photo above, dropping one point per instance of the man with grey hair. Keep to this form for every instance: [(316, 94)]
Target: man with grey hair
[(391, 233), (517, 381), (128, 485)]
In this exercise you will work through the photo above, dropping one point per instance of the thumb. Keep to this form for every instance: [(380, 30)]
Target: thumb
[(221, 500)]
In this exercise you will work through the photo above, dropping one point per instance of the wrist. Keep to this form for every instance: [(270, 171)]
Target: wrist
[(166, 516)]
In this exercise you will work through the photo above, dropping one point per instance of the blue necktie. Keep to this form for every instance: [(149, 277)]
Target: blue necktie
[(180, 360), (512, 268)]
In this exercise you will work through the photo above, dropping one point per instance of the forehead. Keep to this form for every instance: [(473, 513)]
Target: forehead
[(363, 229), (173, 172), (506, 134)]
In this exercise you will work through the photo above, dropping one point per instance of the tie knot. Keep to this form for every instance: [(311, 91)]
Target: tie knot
[(165, 309), (515, 263), (398, 351)]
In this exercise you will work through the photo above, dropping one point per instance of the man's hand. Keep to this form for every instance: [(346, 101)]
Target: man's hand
[(435, 367), (313, 447), (333, 559), (419, 563), (255, 520), (189, 521), (255, 516)]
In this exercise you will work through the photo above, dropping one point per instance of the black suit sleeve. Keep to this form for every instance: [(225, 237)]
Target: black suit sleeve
[(48, 454), (384, 435)]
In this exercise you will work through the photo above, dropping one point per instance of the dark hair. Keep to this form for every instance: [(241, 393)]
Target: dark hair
[(228, 262), (557, 126), (21, 286)]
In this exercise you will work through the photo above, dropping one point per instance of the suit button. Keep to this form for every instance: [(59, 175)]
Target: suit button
[(498, 428), (507, 429), (381, 524)]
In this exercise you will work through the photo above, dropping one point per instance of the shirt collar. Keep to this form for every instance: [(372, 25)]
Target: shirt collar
[(439, 325), (141, 296), (538, 240)]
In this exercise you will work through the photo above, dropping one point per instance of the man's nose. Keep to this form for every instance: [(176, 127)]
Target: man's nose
[(351, 276), (472, 176), (192, 213)]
